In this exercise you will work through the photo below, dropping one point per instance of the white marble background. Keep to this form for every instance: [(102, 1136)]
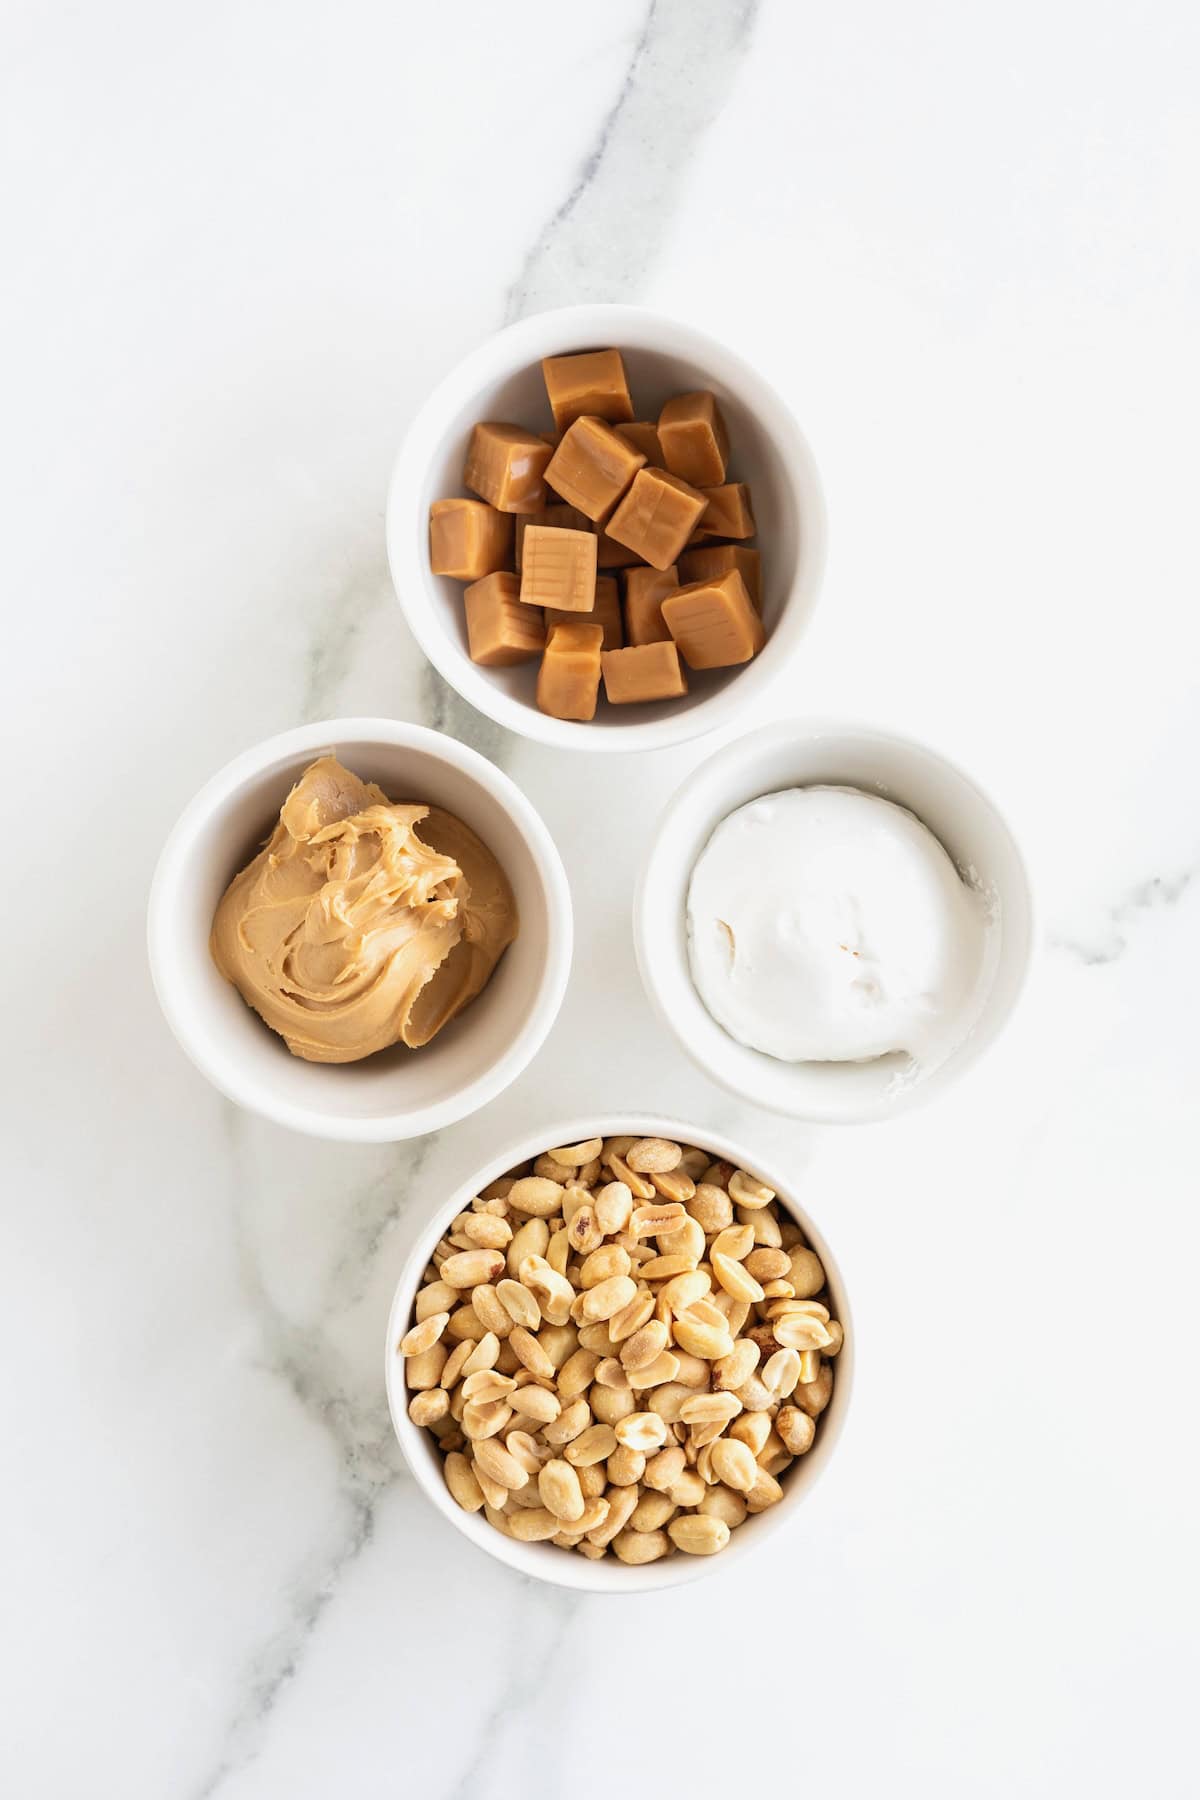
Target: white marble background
[(242, 241)]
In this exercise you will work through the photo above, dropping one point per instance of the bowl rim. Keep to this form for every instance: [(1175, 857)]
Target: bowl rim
[(546, 1562), (524, 342), (650, 881), (218, 791)]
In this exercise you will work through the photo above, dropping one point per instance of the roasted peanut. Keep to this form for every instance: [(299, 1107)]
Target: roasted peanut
[(698, 1534), (620, 1344), (460, 1479), (438, 1296), (640, 1546), (721, 1502), (423, 1336), (744, 1190), (631, 1318), (808, 1275), (644, 1431), (644, 1345), (614, 1206), (533, 1524), (486, 1230), (651, 1512), (466, 1268), (626, 1465), (561, 1494), (428, 1406), (606, 1298), (732, 1370), (571, 1421), (500, 1464), (573, 1155), (651, 1156), (594, 1444), (733, 1463), (536, 1196)]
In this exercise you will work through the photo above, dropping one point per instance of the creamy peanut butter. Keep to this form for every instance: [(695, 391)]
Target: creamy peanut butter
[(350, 932)]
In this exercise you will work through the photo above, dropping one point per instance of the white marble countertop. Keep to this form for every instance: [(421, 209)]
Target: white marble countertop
[(244, 240)]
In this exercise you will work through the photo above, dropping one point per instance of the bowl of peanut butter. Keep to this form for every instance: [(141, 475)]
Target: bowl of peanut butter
[(606, 530), (360, 929)]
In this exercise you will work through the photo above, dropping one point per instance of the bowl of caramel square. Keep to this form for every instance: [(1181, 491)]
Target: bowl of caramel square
[(606, 530)]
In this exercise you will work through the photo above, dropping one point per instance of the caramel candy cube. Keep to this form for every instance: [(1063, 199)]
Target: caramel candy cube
[(611, 555), (592, 383), (645, 591), (728, 513), (643, 672), (643, 435), (567, 518), (569, 678), (606, 613), (592, 467), (468, 539), (714, 623), (657, 516), (715, 560), (694, 440), (558, 568), (500, 631), (505, 464)]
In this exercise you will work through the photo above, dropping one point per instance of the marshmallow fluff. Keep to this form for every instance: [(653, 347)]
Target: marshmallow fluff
[(829, 925)]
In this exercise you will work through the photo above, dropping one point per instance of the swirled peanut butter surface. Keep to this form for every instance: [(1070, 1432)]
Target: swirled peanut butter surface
[(350, 931)]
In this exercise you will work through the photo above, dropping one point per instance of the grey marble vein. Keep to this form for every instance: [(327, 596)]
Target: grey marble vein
[(601, 241), (529, 1666), (599, 244), (1111, 938), (339, 630), (354, 1415), (444, 710)]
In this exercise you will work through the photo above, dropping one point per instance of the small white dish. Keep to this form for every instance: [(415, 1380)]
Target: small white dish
[(549, 1562), (502, 380), (398, 1093), (805, 753)]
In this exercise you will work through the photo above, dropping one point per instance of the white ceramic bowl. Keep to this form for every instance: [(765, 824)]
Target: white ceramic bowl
[(663, 356), (547, 1561), (802, 754), (398, 1093)]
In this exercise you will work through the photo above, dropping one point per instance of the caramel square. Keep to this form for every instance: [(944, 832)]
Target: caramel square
[(610, 554), (643, 435), (657, 516), (558, 568), (714, 560), (645, 591), (505, 465), (606, 613), (643, 672), (728, 513), (694, 440), (468, 539), (713, 623), (592, 467), (500, 631), (567, 518), (592, 383), (569, 678)]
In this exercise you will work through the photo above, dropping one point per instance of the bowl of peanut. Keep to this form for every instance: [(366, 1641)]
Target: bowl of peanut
[(619, 1354)]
